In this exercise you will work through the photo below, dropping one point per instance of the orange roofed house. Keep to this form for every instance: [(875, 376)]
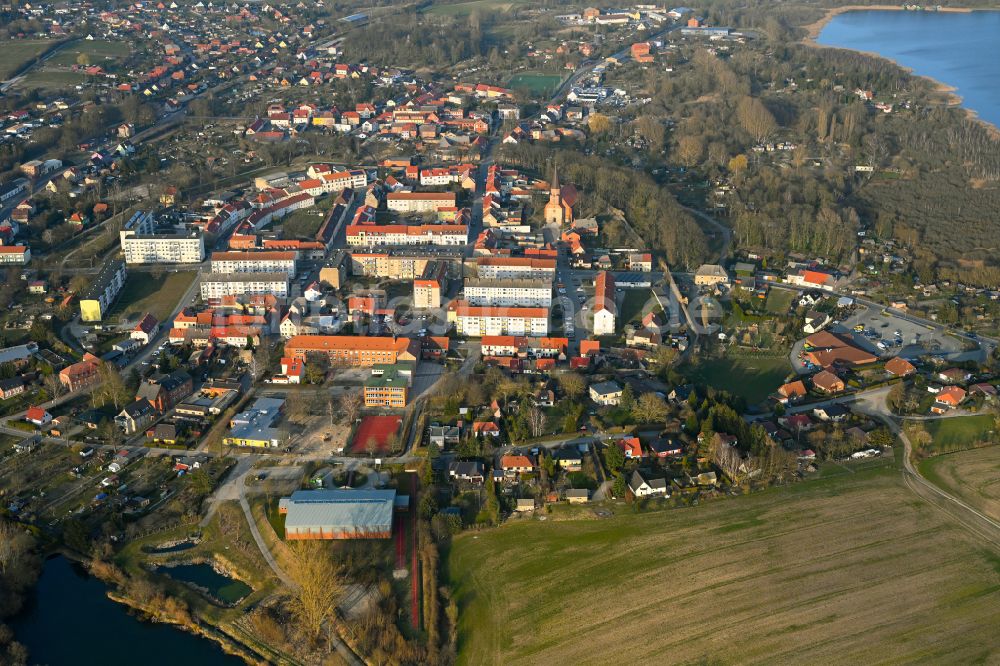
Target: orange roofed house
[(792, 391), (949, 398), (899, 367), (354, 351)]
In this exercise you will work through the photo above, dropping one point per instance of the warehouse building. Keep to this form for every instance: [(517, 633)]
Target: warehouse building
[(338, 514)]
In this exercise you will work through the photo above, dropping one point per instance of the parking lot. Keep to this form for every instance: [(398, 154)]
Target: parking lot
[(885, 334), (891, 335)]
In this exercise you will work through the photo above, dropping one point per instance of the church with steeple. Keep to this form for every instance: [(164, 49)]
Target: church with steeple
[(558, 210)]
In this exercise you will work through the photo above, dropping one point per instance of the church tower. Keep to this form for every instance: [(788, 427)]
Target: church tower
[(557, 211)]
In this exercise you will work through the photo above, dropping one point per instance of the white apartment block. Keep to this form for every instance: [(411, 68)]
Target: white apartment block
[(475, 321), (180, 248), (525, 293), (254, 262), (218, 285), (369, 235), (515, 268)]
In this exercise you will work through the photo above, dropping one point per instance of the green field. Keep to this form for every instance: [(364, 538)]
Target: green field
[(779, 300), (753, 379), (14, 54), (97, 51), (465, 8), (535, 84), (145, 293), (54, 80), (849, 569), (960, 433)]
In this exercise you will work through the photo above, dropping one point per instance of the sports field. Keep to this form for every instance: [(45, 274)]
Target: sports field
[(535, 84), (375, 428), (973, 476), (849, 569)]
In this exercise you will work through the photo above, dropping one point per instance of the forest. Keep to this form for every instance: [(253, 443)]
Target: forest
[(650, 209)]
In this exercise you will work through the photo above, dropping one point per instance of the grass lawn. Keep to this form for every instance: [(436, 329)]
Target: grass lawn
[(790, 567), (972, 475), (302, 223), (465, 8), (751, 378), (959, 433), (145, 293), (14, 54), (535, 84), (632, 305), (779, 301)]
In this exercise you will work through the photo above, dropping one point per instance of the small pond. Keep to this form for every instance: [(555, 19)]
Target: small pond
[(203, 576)]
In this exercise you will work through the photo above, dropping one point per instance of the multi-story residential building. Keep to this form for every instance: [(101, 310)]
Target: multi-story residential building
[(440, 176), (369, 235), (354, 350), (102, 292), (477, 321), (81, 374), (515, 268), (254, 262), (512, 345), (335, 182), (218, 285), (419, 202), (186, 247), (526, 293), (18, 255), (391, 264), (427, 289), (141, 243)]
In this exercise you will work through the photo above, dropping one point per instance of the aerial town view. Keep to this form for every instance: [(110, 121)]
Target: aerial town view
[(499, 332)]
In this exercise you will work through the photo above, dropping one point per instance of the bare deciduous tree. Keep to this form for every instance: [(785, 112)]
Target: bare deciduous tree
[(536, 420), (319, 585)]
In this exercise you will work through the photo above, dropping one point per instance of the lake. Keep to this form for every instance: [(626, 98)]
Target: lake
[(69, 621), (956, 49)]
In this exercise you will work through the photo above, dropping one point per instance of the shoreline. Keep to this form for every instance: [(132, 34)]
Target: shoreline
[(950, 93), (813, 29)]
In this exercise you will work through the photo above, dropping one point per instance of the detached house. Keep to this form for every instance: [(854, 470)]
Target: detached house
[(947, 399), (642, 487), (471, 472), (38, 416), (135, 417), (512, 465)]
